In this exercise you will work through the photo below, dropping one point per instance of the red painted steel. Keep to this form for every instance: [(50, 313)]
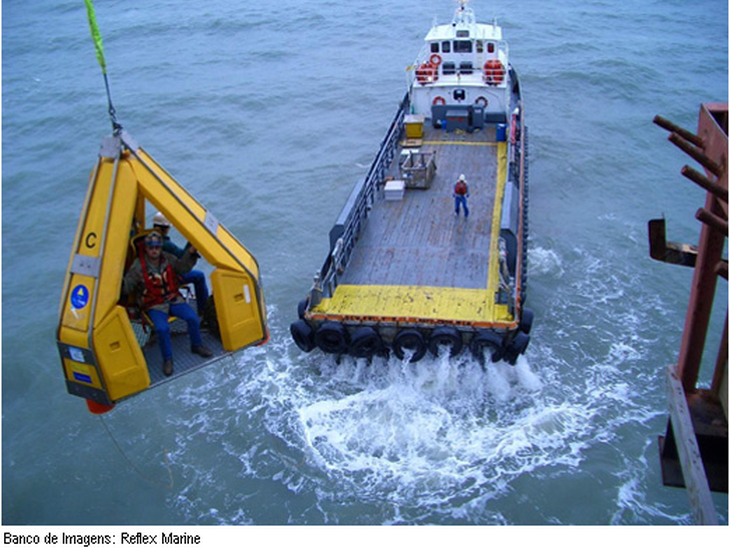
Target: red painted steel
[(712, 242)]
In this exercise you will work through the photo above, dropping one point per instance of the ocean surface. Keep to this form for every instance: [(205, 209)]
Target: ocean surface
[(268, 113)]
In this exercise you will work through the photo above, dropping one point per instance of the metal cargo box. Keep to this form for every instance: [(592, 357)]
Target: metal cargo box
[(457, 119)]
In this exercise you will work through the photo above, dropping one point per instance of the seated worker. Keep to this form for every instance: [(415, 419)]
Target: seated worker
[(154, 275), (195, 277)]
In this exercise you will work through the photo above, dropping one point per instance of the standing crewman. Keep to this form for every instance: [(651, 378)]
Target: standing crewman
[(154, 277), (461, 193), (195, 277)]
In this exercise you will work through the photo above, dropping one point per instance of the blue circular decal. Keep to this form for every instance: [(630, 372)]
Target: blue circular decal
[(79, 296)]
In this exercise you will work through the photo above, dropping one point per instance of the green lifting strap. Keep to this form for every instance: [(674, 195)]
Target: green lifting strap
[(99, 47), (96, 35)]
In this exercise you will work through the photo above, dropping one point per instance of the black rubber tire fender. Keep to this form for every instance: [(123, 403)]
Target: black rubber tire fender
[(445, 335), (487, 340), (302, 307), (410, 339), (365, 342), (332, 338), (303, 335), (528, 317), (518, 346)]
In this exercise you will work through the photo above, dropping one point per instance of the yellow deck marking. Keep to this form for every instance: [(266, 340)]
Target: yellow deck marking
[(493, 270), (393, 302), (482, 144), (427, 303)]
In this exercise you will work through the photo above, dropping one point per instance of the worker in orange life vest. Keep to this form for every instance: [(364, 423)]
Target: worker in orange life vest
[(154, 274), (461, 193)]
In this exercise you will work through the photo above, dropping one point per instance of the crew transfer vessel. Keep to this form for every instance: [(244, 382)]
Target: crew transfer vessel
[(407, 272)]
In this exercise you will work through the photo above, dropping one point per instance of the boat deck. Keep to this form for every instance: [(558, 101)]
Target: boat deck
[(414, 257), (419, 240)]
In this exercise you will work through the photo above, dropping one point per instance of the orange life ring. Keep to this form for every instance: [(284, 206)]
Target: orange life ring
[(481, 100), (438, 100), (435, 59), (493, 72), (427, 74)]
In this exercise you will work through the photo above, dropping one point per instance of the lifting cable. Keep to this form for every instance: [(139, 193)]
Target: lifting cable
[(96, 37), (171, 483), (117, 129)]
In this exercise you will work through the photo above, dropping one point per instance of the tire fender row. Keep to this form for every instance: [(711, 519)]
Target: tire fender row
[(365, 341)]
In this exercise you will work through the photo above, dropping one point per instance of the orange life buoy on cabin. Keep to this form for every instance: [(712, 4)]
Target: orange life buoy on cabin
[(493, 72), (427, 73), (438, 100), (435, 59)]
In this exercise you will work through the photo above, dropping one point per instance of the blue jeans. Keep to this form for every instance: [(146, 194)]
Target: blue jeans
[(461, 201), (183, 311), (197, 278)]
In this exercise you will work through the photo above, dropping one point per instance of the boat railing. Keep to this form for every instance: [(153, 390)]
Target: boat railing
[(512, 290), (503, 48), (519, 146), (422, 57), (350, 221)]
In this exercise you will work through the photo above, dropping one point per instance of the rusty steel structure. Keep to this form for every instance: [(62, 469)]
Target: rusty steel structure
[(694, 450)]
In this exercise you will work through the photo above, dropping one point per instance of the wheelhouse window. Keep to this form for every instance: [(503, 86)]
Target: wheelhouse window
[(480, 46), (462, 46), (446, 47), (490, 47), (449, 67), (466, 67), (462, 34), (434, 47)]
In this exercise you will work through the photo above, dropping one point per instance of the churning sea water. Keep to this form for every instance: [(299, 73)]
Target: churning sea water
[(269, 112)]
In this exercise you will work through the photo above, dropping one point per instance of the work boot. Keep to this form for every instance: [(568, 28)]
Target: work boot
[(201, 351), (167, 367)]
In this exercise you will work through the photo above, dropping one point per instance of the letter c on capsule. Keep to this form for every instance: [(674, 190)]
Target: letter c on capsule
[(90, 240)]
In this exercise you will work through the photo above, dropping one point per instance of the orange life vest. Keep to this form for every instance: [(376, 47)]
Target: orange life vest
[(460, 188), (158, 288)]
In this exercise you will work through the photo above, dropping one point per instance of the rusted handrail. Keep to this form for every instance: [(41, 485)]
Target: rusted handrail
[(706, 162), (711, 220), (705, 182), (674, 128)]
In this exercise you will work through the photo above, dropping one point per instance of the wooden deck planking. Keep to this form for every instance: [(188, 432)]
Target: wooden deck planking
[(419, 240)]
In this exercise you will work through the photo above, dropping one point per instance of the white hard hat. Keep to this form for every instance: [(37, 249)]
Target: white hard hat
[(160, 220), (462, 177)]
